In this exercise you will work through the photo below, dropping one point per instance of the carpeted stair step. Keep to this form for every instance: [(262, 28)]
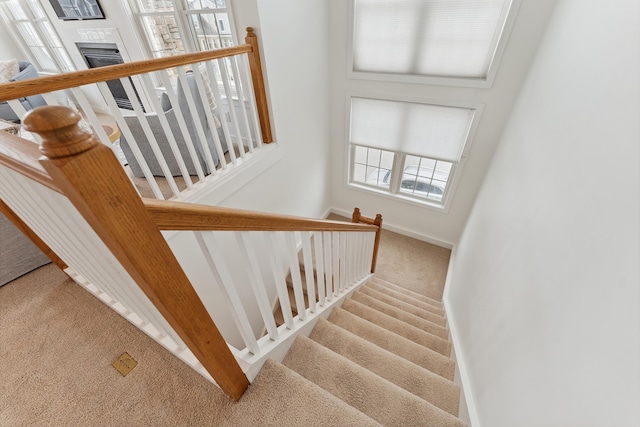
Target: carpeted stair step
[(399, 327), (307, 403), (425, 384), (405, 291), (402, 315), (425, 357), (372, 395), (371, 284), (409, 308)]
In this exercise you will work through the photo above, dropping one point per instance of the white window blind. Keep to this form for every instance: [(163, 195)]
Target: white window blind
[(433, 131), (445, 38)]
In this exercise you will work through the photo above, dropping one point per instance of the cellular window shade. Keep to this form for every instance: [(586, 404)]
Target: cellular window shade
[(423, 130), (445, 38)]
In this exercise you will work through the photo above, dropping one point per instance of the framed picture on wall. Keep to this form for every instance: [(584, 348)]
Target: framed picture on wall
[(77, 9)]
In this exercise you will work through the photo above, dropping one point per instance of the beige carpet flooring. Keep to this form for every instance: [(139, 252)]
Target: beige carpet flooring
[(410, 263), (57, 343)]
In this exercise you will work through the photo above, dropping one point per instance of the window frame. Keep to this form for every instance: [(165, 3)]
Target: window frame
[(399, 163), (484, 83), (182, 16), (51, 43)]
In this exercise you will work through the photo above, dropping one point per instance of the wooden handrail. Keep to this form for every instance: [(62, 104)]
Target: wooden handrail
[(170, 215), (39, 85), (29, 87), (91, 177), (258, 86), (357, 218)]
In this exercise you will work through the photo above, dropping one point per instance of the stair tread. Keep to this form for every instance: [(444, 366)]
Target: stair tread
[(401, 315), (399, 327), (411, 293), (425, 357), (409, 308), (421, 382), (376, 397), (308, 404), (404, 297)]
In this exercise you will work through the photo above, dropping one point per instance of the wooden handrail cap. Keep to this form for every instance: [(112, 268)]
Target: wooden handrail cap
[(58, 127)]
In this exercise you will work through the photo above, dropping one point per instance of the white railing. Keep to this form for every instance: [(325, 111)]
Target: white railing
[(214, 296), (270, 281), (174, 128)]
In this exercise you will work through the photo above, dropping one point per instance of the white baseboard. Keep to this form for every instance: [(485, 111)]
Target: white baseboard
[(399, 230), (468, 409)]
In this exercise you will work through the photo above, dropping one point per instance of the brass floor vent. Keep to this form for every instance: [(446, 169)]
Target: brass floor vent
[(125, 364)]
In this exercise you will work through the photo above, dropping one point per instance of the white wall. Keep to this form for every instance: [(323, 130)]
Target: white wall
[(544, 292), (433, 225), (294, 37)]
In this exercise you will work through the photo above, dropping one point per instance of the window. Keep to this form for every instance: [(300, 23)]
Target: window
[(173, 27), (406, 149), (454, 39), (33, 31)]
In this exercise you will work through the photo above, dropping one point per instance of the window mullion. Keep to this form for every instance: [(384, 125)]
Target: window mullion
[(396, 173)]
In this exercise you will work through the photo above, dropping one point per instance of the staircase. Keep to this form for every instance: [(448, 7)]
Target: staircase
[(382, 358)]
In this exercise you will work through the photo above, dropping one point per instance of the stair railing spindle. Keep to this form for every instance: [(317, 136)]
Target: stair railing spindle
[(308, 269), (257, 283), (216, 261), (279, 279), (320, 275)]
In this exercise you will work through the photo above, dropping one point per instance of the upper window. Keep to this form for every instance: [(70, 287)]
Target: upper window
[(407, 149), (174, 27), (435, 38)]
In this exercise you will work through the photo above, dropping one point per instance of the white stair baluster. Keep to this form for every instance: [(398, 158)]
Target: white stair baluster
[(151, 138), (218, 266), (335, 260), (124, 129), (279, 279), (294, 268), (257, 283), (320, 276), (328, 269), (308, 269), (182, 124)]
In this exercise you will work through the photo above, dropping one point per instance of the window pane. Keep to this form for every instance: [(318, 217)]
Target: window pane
[(451, 38), (425, 178), (359, 173), (155, 5), (360, 155), (164, 35), (372, 166), (387, 160), (16, 10)]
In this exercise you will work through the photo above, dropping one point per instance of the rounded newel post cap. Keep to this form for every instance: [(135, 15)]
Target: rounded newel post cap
[(250, 32), (58, 127)]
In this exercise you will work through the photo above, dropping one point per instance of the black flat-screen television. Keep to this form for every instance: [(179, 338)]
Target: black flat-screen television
[(77, 9)]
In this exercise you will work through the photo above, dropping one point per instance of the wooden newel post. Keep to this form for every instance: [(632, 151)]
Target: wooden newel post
[(258, 85), (377, 222), (89, 174), (357, 217)]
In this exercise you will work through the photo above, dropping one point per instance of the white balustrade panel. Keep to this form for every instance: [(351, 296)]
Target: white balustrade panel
[(58, 223)]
